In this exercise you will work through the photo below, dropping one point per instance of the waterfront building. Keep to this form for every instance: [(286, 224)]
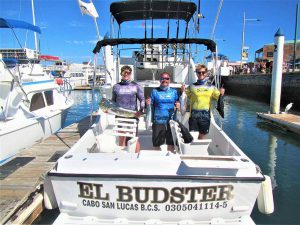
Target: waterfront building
[(266, 53)]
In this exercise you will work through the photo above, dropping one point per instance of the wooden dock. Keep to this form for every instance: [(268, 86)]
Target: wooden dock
[(288, 122), (21, 179), (83, 87)]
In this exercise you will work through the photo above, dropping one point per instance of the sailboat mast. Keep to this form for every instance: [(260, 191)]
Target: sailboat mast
[(33, 20)]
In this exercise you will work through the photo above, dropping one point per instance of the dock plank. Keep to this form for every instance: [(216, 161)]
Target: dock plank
[(18, 187), (289, 122)]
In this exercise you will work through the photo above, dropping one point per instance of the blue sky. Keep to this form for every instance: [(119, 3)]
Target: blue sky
[(71, 36)]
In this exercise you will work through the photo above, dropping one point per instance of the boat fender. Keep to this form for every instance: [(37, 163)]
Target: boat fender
[(59, 81), (265, 197), (49, 196)]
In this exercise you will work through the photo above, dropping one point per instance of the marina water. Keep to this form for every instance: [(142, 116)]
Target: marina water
[(275, 151)]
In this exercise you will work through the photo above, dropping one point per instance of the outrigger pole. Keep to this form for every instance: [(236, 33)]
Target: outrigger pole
[(94, 73), (94, 14), (215, 24), (33, 19), (97, 29)]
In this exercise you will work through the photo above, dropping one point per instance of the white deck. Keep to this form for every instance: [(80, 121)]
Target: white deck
[(201, 157), (208, 181), (64, 218)]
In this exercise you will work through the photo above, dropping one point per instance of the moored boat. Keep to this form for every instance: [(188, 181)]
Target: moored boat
[(32, 108), (209, 181)]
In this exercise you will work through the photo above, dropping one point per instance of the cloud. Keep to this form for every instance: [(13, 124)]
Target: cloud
[(75, 24), (75, 42), (43, 25), (94, 41), (77, 57), (11, 13)]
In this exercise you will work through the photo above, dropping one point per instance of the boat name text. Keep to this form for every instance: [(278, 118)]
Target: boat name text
[(157, 195)]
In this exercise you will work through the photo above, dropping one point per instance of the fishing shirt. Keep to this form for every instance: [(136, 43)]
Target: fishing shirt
[(163, 102), (201, 95), (126, 95)]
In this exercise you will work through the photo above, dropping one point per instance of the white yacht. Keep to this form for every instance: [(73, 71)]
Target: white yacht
[(31, 105), (76, 76), (209, 181), (81, 74)]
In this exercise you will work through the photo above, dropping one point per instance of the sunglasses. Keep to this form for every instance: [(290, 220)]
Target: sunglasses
[(127, 72), (201, 72), (164, 78)]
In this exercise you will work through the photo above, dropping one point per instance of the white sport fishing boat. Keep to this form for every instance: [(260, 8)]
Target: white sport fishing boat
[(209, 181), (32, 108)]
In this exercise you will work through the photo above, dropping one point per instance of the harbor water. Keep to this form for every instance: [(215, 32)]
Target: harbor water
[(277, 153)]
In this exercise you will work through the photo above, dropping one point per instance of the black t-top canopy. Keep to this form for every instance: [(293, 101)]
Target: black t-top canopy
[(210, 44), (152, 9)]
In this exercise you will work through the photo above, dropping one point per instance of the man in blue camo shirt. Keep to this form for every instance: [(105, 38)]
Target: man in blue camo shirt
[(163, 99)]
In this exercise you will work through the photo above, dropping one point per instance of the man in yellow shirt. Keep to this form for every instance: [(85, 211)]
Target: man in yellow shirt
[(201, 95)]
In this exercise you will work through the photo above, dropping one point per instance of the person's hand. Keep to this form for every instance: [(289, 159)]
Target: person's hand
[(222, 91), (177, 105), (148, 101), (182, 88), (138, 114)]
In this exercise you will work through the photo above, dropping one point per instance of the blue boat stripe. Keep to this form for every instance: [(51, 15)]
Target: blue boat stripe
[(37, 82)]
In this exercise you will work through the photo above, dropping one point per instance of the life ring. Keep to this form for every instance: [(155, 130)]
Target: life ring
[(59, 81)]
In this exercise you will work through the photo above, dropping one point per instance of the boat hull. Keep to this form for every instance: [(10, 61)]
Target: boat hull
[(34, 129), (163, 199)]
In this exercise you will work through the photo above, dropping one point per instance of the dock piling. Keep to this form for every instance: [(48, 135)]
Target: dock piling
[(277, 73)]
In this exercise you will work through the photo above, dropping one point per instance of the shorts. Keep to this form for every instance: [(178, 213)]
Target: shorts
[(199, 121), (137, 123), (161, 134)]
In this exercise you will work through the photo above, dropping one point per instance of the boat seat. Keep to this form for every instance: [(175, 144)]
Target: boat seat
[(196, 147), (109, 143), (124, 127)]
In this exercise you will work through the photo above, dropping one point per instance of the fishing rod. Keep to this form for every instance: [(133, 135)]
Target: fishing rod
[(185, 35), (168, 31), (93, 90), (151, 19), (198, 21), (177, 33)]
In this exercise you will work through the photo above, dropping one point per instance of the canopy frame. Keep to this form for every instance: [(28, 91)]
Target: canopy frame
[(210, 44)]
